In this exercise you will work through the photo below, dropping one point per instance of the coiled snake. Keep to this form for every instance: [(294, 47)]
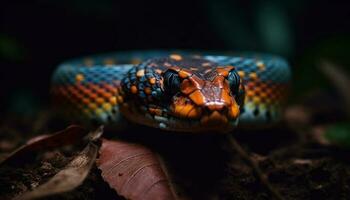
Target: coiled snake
[(179, 91)]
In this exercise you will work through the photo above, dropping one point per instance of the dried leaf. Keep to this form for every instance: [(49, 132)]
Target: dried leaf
[(71, 135), (134, 171), (69, 178), (37, 138)]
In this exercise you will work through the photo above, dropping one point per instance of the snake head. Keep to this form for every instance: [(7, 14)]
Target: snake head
[(188, 94)]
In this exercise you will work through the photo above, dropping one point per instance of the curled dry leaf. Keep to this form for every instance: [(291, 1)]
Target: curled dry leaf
[(71, 135), (74, 173), (68, 178), (36, 138), (134, 171)]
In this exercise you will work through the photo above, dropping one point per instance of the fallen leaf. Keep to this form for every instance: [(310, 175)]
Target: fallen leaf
[(134, 171), (36, 138), (71, 135), (68, 178)]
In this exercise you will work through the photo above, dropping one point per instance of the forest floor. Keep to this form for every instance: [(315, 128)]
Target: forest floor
[(200, 166)]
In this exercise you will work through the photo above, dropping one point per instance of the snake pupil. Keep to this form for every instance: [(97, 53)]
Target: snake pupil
[(171, 82)]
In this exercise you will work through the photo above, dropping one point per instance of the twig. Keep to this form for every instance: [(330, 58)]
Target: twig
[(256, 169)]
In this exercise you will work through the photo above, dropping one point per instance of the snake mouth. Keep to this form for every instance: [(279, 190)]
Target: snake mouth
[(214, 119), (209, 121), (214, 122)]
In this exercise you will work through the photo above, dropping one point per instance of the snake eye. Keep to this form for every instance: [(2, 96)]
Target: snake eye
[(171, 82), (234, 81)]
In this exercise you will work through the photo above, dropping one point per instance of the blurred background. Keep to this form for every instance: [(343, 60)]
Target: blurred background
[(36, 36)]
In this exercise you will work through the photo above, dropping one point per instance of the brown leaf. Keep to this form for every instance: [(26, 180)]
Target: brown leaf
[(69, 178), (134, 171), (71, 135)]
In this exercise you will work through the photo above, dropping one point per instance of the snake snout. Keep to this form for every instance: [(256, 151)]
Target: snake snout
[(219, 113)]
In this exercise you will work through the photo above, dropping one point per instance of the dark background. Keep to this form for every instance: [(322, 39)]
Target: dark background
[(36, 36)]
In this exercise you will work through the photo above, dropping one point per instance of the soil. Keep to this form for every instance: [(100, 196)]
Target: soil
[(200, 166)]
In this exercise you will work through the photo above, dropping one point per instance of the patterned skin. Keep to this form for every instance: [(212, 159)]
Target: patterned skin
[(179, 92)]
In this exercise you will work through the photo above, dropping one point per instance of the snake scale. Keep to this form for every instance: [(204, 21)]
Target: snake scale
[(176, 91)]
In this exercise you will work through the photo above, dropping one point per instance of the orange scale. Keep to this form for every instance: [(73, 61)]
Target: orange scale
[(218, 81), (74, 90), (152, 81), (251, 85), (107, 95), (101, 91), (253, 76), (234, 111), (79, 96), (83, 89), (110, 88), (92, 95), (197, 97), (250, 93), (120, 99), (113, 100), (133, 89), (194, 113), (263, 94), (196, 82), (187, 87), (241, 74), (86, 101), (183, 110), (92, 86), (88, 93), (155, 111), (226, 97), (106, 85), (222, 71), (184, 74), (100, 100), (147, 90)]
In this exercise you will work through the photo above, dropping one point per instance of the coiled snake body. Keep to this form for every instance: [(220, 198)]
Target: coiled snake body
[(174, 91)]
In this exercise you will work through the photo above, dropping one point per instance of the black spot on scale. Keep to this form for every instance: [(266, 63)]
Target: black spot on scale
[(126, 80), (133, 78), (109, 118), (242, 110), (268, 116), (128, 85), (149, 75), (141, 86), (142, 95), (143, 78), (256, 112)]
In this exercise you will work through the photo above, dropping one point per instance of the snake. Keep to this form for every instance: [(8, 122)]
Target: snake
[(179, 91)]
